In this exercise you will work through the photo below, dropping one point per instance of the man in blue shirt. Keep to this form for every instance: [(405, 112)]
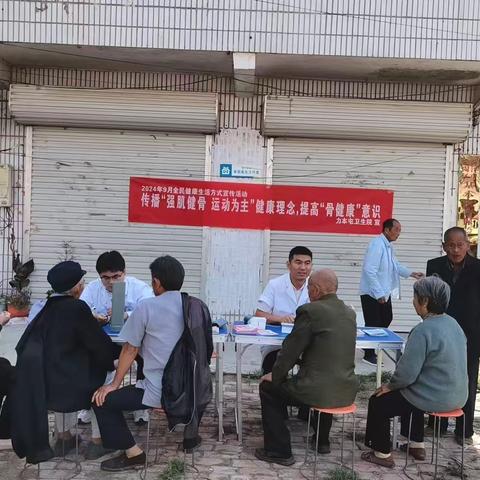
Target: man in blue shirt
[(380, 280)]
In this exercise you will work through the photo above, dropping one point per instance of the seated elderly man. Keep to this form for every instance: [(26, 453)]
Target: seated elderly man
[(430, 376), (324, 335), (153, 330), (62, 357)]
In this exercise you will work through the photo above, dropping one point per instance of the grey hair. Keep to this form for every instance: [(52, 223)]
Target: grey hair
[(435, 291)]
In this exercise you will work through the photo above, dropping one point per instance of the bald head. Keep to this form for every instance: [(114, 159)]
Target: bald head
[(321, 283)]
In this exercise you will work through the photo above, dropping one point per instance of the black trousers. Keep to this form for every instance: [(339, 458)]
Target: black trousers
[(269, 361), (381, 410), (376, 314), (274, 400), (469, 408), (113, 426)]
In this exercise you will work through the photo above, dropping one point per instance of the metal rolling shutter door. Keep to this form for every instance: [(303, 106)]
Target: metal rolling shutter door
[(80, 181), (415, 172)]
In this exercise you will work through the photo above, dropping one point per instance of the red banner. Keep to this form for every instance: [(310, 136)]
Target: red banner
[(258, 207)]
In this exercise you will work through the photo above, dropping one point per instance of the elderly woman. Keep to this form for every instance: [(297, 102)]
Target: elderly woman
[(431, 375)]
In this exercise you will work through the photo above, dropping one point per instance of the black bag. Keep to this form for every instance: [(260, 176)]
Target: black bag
[(178, 386)]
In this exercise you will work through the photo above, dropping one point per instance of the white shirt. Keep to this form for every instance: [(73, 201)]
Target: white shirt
[(280, 297), (381, 271), (99, 298)]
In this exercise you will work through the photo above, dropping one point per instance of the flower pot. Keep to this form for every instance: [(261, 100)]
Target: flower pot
[(16, 312)]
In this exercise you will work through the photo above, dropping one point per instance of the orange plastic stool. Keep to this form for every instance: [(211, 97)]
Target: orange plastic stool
[(458, 412), (350, 409)]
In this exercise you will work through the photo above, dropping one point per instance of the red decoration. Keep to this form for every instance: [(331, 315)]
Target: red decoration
[(258, 207)]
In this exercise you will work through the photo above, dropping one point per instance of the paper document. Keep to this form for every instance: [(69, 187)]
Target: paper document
[(376, 332), (245, 329), (267, 333)]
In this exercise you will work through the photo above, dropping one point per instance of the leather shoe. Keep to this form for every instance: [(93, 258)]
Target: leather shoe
[(269, 457), (122, 462), (416, 453)]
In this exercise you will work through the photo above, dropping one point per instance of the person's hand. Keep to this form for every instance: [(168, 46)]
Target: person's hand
[(101, 319), (4, 318), (287, 319), (417, 275), (381, 300), (382, 390), (99, 396), (266, 378)]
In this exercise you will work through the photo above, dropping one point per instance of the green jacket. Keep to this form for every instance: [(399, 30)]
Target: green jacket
[(324, 336)]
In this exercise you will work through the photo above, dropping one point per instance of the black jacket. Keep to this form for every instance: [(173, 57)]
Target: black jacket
[(186, 381), (464, 304), (62, 358)]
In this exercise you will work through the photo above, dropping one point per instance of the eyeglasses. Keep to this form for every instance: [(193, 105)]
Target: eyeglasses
[(115, 276)]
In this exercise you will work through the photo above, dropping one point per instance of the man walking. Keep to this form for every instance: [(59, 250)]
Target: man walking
[(380, 280), (462, 273)]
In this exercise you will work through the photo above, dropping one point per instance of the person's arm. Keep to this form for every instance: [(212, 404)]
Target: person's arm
[(88, 296), (127, 356), (132, 332), (405, 272), (411, 362), (292, 347), (271, 318)]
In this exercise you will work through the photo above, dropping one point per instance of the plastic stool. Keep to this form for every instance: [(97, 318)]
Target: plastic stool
[(144, 471), (458, 412), (351, 409)]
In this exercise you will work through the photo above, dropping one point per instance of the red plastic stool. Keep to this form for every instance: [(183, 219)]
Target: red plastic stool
[(351, 409), (458, 412)]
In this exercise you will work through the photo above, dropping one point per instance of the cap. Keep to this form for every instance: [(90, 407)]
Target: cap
[(65, 275)]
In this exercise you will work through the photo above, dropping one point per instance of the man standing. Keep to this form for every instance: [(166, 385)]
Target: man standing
[(462, 273), (324, 335), (62, 357), (154, 329), (110, 267), (283, 295), (380, 280)]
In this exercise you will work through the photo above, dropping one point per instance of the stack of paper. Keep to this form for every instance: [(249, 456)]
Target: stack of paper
[(245, 329)]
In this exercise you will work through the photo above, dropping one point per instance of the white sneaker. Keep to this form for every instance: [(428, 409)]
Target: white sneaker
[(84, 416), (140, 417)]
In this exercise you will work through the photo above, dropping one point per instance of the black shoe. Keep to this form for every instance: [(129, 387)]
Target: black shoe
[(63, 447), (190, 444), (323, 448), (95, 450), (122, 462), (269, 457)]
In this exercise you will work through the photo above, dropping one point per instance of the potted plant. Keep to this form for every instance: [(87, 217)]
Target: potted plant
[(18, 300)]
